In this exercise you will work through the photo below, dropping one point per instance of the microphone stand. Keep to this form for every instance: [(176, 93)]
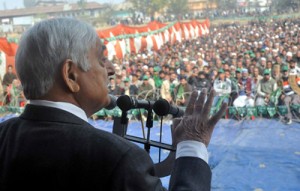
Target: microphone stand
[(163, 168), (149, 125), (160, 138), (124, 122), (120, 128), (142, 123)]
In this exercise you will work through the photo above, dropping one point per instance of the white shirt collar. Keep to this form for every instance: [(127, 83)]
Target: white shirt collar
[(71, 108)]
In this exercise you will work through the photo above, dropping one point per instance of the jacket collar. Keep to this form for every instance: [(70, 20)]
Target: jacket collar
[(50, 114)]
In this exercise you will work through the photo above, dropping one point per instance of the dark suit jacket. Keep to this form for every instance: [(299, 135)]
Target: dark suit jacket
[(51, 149)]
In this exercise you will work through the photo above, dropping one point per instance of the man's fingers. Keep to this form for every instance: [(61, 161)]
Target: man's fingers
[(215, 118), (208, 104), (200, 101), (176, 131), (176, 121), (190, 107)]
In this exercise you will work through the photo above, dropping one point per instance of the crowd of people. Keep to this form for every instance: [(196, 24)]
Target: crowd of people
[(249, 65), (257, 64)]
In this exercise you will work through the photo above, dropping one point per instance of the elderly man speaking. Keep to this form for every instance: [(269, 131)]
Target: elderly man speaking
[(51, 146)]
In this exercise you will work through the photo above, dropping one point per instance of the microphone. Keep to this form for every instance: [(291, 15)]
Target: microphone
[(162, 107), (113, 102), (126, 103)]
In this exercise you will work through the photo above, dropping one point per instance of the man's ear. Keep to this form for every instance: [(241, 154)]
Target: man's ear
[(70, 75)]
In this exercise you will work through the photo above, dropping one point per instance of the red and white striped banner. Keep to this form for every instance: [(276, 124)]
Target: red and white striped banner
[(123, 39)]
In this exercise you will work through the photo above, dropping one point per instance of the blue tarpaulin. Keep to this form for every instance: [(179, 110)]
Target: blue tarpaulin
[(255, 155), (258, 155)]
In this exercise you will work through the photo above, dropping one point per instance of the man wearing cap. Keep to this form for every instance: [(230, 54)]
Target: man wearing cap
[(289, 57), (288, 95), (238, 74), (262, 65), (145, 89), (244, 98), (127, 86), (222, 86), (145, 68), (182, 92), (265, 88), (185, 60)]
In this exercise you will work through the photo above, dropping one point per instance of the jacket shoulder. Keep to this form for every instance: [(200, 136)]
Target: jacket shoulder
[(9, 122)]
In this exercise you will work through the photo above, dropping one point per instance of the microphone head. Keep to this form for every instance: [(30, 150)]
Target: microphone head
[(113, 102), (161, 107), (124, 102)]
